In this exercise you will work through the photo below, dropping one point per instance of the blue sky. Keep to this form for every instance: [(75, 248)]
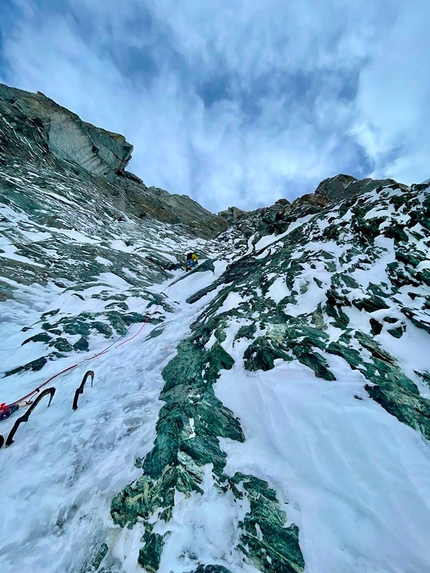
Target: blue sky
[(236, 102)]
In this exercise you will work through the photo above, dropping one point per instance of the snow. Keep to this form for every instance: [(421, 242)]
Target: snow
[(204, 525), (232, 301), (212, 340), (169, 257), (36, 237), (9, 252), (380, 211), (278, 290), (307, 301), (103, 261), (356, 477), (79, 237), (352, 477), (411, 351), (377, 272), (52, 195), (250, 244), (423, 265), (268, 240), (119, 245), (66, 466)]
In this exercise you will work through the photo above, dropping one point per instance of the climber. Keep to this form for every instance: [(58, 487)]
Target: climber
[(192, 261), (6, 411)]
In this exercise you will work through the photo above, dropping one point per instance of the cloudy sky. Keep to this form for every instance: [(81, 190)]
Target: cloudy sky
[(236, 102)]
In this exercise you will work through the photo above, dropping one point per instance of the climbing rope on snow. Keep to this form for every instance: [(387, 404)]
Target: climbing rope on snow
[(7, 409), (28, 400)]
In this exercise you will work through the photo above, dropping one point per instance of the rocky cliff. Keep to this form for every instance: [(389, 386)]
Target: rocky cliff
[(53, 128), (268, 412), (36, 133), (329, 192)]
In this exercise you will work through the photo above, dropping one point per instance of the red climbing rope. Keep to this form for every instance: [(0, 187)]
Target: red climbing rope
[(141, 328), (24, 399), (36, 390)]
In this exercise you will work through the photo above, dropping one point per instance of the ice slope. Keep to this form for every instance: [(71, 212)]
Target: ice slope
[(59, 477), (326, 297), (350, 475), (357, 478)]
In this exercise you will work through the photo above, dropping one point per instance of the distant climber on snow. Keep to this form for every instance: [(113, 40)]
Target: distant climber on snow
[(192, 261)]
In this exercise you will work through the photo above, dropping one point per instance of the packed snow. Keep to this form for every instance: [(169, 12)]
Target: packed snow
[(355, 479)]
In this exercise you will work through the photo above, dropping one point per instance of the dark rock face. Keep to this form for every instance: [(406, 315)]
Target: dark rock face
[(231, 214), (63, 133), (277, 549), (37, 133), (276, 218), (346, 186), (334, 187), (211, 569)]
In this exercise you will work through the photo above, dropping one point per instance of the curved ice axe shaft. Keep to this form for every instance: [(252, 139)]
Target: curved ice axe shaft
[(80, 390), (25, 417)]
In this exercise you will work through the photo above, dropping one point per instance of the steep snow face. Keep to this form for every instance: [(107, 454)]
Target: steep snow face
[(271, 413), (60, 475), (316, 342), (74, 267)]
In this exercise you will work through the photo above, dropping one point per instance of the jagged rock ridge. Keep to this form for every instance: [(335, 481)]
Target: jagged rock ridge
[(329, 192), (36, 133)]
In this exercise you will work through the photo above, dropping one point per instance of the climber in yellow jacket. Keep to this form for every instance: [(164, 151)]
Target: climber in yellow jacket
[(192, 261)]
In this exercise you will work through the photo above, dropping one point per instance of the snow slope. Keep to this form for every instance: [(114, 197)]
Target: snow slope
[(60, 475), (274, 332)]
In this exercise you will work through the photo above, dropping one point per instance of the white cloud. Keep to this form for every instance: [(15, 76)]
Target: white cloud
[(393, 98), (291, 117)]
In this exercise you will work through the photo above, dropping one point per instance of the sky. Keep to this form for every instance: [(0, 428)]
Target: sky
[(236, 102)]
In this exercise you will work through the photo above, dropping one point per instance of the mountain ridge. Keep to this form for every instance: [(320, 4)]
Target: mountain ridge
[(270, 410), (41, 133)]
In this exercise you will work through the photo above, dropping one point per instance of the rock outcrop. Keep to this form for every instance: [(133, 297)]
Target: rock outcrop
[(36, 132), (63, 133), (345, 186), (277, 217), (231, 214)]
